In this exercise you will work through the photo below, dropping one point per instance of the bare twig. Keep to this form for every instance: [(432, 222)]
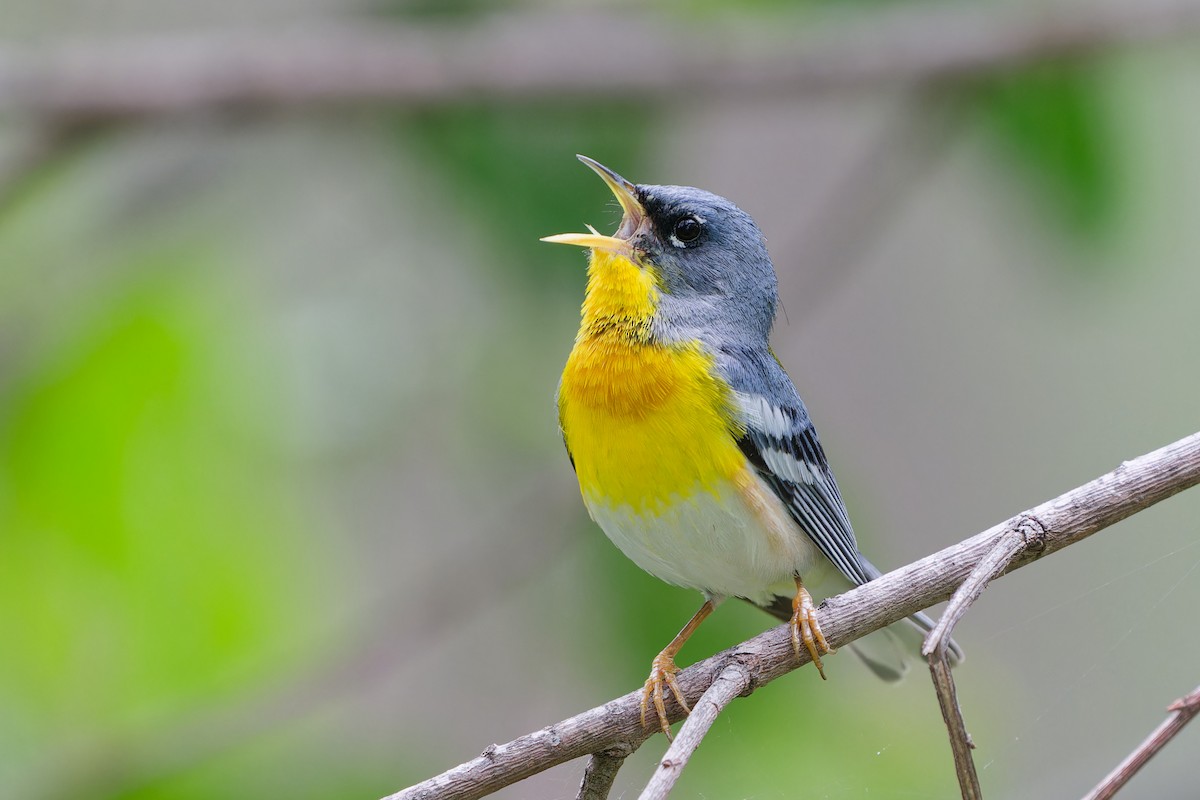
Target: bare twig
[(602, 770), (1063, 521), (937, 645), (509, 57), (994, 564), (960, 741), (1184, 709), (733, 681)]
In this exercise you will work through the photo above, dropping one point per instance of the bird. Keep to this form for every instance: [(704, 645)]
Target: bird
[(692, 448)]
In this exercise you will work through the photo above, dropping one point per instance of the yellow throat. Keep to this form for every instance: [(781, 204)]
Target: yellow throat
[(646, 423)]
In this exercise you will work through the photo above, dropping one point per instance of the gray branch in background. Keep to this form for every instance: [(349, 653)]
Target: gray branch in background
[(505, 58), (1058, 523)]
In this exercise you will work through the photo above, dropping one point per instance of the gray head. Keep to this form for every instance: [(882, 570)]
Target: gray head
[(707, 256)]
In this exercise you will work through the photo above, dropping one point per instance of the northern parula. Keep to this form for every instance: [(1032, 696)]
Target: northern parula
[(693, 450)]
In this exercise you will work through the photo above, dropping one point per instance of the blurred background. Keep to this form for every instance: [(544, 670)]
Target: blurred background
[(284, 511)]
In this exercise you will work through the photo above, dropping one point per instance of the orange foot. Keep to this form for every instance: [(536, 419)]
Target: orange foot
[(805, 628), (662, 671)]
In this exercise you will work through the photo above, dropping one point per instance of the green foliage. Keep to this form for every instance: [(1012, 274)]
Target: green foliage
[(293, 762), (1054, 124), (431, 9), (148, 552)]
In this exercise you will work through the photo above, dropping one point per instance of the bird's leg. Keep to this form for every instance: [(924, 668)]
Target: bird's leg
[(663, 669), (805, 628)]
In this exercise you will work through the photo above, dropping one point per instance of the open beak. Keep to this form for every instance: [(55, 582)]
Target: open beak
[(631, 218)]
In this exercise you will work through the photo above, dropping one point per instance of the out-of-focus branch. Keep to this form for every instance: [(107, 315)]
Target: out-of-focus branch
[(23, 164), (1063, 521), (826, 246), (1184, 709), (510, 57)]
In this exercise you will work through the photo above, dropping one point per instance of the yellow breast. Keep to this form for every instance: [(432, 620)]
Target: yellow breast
[(646, 423)]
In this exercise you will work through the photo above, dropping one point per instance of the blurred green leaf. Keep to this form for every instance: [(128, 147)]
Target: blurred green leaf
[(430, 10), (148, 548), (1054, 124), (293, 762)]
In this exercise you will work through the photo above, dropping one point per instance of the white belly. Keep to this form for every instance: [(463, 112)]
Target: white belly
[(739, 543)]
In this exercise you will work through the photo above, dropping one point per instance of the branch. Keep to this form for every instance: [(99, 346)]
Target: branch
[(1185, 708), (1061, 522), (937, 648), (960, 741), (602, 770), (526, 57), (733, 681)]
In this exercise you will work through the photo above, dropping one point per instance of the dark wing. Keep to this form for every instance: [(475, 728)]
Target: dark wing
[(782, 444)]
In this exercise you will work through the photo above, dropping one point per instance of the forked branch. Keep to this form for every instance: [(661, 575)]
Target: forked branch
[(937, 646), (733, 681), (1060, 522)]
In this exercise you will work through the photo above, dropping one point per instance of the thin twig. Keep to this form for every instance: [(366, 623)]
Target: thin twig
[(937, 648), (1063, 521), (568, 55), (1184, 709), (733, 681), (602, 770), (991, 566), (960, 741)]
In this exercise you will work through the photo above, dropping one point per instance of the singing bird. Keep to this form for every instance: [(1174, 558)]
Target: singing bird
[(693, 450)]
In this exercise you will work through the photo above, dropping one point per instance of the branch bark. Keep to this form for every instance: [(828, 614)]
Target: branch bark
[(960, 741), (733, 681), (601, 771), (1063, 521), (526, 57), (937, 649)]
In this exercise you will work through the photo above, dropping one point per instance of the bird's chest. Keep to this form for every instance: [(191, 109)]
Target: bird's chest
[(647, 425)]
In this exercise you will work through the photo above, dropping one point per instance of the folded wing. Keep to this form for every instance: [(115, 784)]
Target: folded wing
[(780, 442)]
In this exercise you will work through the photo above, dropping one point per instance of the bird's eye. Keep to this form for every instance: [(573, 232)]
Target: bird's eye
[(687, 230)]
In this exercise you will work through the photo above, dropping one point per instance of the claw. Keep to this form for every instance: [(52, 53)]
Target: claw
[(806, 629), (662, 671)]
